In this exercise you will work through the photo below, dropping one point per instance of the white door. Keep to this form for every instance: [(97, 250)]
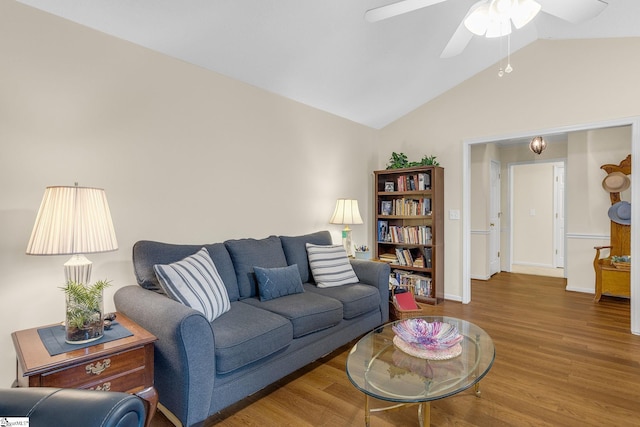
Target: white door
[(494, 219), (558, 171)]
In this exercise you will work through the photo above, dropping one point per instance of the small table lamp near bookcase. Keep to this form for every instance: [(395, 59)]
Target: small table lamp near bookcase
[(410, 228)]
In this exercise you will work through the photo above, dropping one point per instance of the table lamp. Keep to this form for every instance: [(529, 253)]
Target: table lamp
[(74, 221), (346, 213)]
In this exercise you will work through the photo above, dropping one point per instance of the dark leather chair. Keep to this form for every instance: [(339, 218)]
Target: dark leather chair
[(46, 407)]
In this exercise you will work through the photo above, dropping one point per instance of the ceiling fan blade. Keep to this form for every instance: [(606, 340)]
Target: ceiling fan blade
[(574, 11), (458, 42), (395, 9), (462, 36)]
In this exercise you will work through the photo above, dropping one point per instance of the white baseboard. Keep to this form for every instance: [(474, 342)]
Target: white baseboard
[(581, 290), (453, 298)]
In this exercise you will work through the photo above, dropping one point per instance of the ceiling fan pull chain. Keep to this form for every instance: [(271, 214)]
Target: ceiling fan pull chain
[(501, 70), (509, 67)]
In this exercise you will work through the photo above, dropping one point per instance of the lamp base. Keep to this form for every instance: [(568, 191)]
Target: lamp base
[(346, 241), (78, 269)]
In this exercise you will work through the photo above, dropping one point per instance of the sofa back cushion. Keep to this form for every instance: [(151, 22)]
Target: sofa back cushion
[(147, 253), (295, 250), (248, 253)]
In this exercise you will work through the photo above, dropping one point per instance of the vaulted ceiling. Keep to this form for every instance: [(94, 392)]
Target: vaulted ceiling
[(323, 53)]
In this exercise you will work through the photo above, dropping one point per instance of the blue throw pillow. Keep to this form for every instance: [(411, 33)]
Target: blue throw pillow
[(278, 282)]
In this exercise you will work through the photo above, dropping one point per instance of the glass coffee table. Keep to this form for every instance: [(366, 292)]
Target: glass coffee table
[(380, 370)]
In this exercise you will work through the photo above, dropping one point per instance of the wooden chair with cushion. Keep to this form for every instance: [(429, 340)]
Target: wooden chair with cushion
[(615, 279)]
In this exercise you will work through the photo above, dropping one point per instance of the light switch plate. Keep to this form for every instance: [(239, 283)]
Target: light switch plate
[(454, 214)]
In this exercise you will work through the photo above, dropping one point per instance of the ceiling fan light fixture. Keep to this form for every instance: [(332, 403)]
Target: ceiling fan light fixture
[(478, 20), (537, 145), (524, 11), (494, 17), (498, 27)]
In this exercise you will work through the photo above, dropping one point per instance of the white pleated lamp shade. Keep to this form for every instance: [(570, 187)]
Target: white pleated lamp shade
[(346, 212), (73, 220)]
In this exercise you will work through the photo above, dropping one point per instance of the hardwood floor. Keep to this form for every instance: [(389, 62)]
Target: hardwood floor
[(561, 360)]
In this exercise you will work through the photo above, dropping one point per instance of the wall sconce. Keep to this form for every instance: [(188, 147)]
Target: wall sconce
[(537, 144)]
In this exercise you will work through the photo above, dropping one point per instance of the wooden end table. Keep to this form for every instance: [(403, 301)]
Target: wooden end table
[(124, 365)]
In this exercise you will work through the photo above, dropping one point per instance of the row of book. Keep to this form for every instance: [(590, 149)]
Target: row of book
[(406, 207), (415, 182), (405, 258), (411, 234), (418, 284), (408, 257)]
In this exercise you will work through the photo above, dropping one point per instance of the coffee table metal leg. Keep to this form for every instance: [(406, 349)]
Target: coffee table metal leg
[(367, 412), (424, 414)]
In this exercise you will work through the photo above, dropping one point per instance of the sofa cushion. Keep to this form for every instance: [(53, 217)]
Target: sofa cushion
[(147, 253), (278, 282), (247, 253), (330, 265), (307, 312), (246, 333), (356, 299), (195, 282), (296, 251)]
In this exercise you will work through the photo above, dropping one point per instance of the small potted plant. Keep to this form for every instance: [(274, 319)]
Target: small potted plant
[(84, 312)]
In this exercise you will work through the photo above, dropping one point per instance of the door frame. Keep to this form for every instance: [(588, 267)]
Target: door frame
[(495, 230), (560, 237), (634, 122)]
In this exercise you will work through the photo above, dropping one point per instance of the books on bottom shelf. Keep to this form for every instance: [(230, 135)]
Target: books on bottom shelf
[(419, 283)]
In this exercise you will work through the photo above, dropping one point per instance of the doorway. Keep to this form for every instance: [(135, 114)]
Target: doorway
[(633, 122), (536, 194)]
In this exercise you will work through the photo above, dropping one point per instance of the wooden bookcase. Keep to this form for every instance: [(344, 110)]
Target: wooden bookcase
[(410, 228)]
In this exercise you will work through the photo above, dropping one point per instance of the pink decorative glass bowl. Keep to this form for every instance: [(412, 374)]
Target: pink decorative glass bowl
[(427, 340)]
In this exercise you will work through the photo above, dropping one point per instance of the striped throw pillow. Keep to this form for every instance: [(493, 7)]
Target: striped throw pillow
[(195, 282), (330, 265)]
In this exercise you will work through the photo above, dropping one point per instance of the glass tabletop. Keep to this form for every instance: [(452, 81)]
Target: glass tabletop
[(381, 370)]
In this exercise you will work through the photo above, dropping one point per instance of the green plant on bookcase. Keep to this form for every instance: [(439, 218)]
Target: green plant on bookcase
[(400, 161)]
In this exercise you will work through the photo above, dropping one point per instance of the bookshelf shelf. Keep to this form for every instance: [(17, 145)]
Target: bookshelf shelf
[(410, 228)]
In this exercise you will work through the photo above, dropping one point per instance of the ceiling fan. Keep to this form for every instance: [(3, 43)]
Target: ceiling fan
[(480, 21)]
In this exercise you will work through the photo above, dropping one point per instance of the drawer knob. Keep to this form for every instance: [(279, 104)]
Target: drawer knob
[(104, 387), (99, 367)]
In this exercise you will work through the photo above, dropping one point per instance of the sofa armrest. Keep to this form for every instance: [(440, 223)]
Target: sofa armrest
[(70, 407), (375, 274), (184, 353)]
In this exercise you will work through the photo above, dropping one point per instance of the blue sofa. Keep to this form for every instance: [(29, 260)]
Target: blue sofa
[(201, 367)]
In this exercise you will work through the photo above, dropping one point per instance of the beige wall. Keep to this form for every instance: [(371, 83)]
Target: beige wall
[(185, 155), (554, 84)]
